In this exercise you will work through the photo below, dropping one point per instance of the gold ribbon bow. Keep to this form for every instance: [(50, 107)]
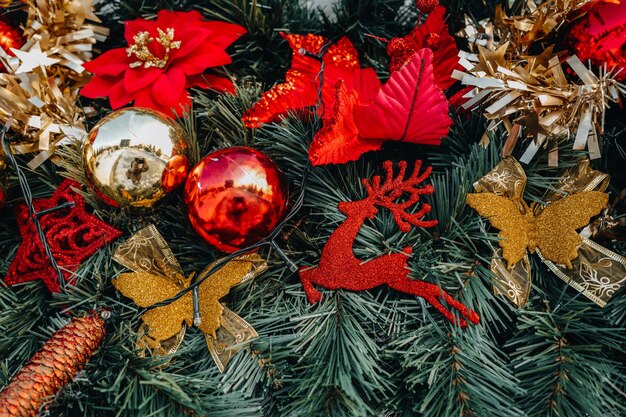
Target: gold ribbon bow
[(157, 277), (549, 230)]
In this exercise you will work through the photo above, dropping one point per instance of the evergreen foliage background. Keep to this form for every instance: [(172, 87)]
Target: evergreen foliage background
[(374, 353)]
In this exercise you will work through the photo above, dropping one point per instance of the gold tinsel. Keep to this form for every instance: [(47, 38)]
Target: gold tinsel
[(38, 94), (529, 94), (53, 366)]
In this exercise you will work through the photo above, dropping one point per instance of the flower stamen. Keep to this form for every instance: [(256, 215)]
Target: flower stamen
[(146, 58)]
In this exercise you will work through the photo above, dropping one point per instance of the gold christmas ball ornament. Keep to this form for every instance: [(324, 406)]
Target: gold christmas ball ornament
[(135, 156)]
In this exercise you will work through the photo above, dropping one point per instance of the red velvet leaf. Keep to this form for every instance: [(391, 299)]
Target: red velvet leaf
[(338, 141), (433, 34), (409, 107)]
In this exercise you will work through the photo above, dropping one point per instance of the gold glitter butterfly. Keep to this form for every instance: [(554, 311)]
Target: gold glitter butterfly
[(552, 228), (157, 276)]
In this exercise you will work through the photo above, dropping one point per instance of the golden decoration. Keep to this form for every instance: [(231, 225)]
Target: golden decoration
[(553, 230), (529, 95), (549, 231), (135, 156), (157, 276), (39, 91), (145, 58)]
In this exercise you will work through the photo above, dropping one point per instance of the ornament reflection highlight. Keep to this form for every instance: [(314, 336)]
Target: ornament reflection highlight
[(135, 157)]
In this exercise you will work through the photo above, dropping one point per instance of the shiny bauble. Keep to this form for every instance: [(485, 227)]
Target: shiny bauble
[(236, 197), (600, 36), (135, 156)]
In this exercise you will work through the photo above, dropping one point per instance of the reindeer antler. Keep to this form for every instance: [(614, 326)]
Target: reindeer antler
[(385, 195)]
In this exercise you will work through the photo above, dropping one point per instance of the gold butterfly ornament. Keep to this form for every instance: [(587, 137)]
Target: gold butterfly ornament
[(157, 277), (550, 230)]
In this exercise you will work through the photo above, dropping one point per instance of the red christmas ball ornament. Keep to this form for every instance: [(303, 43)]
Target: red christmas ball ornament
[(600, 36), (10, 37), (235, 197)]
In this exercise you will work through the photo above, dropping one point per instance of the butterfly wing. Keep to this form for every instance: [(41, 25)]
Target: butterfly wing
[(147, 289), (557, 224), (504, 215), (219, 284), (409, 107), (147, 252)]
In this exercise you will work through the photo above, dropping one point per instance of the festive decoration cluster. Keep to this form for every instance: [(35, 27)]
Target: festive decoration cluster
[(164, 58), (359, 114), (530, 94), (39, 91), (53, 366)]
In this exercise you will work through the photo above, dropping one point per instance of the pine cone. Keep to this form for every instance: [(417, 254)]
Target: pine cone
[(53, 366)]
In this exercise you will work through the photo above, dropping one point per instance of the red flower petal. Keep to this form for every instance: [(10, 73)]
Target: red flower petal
[(338, 141), (409, 107), (98, 87), (205, 56), (136, 79), (132, 27), (118, 96), (210, 81), (224, 34), (190, 40), (167, 89), (113, 62)]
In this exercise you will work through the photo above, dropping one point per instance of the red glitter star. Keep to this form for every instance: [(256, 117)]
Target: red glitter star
[(72, 234)]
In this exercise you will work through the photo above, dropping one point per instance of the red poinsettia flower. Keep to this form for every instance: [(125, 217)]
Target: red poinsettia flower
[(164, 58), (299, 91), (410, 107), (433, 34)]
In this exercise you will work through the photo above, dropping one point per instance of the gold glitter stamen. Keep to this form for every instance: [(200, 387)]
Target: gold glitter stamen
[(145, 58)]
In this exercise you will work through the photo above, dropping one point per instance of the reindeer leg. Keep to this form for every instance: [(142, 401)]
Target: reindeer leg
[(307, 276), (433, 295)]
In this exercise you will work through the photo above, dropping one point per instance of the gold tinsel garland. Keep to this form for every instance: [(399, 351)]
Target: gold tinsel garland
[(530, 95), (39, 92)]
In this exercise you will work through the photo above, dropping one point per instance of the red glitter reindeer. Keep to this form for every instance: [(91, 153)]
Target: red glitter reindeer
[(340, 269)]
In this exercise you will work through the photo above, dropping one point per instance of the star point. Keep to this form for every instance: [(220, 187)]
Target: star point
[(32, 59)]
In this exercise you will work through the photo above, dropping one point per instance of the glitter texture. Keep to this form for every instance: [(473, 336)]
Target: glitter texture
[(72, 233), (340, 269), (433, 34), (553, 230), (299, 90), (157, 276)]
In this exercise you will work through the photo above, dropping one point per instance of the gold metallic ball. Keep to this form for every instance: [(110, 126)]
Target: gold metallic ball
[(135, 156)]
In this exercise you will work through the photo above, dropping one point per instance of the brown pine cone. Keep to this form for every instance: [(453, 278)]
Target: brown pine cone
[(53, 366)]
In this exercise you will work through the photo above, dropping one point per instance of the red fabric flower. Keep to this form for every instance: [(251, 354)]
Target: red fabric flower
[(410, 107), (433, 34), (299, 91), (165, 57)]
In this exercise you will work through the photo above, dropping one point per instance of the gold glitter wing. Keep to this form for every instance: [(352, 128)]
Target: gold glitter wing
[(147, 289), (236, 271), (504, 215), (557, 224)]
